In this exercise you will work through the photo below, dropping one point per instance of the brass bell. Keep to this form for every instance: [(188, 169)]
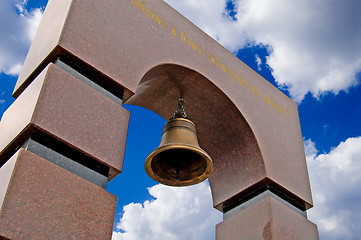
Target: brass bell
[(179, 161)]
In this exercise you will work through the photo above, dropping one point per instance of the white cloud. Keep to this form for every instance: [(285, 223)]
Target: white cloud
[(177, 213), (212, 18), (259, 62), (17, 29), (314, 46), (187, 213), (335, 181)]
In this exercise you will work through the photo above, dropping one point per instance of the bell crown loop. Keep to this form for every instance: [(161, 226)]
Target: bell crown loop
[(180, 112)]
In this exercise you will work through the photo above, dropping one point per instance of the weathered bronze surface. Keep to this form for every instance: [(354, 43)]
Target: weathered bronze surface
[(179, 161)]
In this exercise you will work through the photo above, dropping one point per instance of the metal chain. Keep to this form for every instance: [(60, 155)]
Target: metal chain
[(180, 107)]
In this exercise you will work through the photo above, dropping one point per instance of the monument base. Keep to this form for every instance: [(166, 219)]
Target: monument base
[(267, 219), (45, 201)]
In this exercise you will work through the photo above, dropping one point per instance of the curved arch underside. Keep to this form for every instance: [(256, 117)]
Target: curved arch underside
[(239, 168), (250, 128)]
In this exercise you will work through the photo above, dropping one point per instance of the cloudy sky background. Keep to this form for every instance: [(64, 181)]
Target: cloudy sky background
[(310, 50)]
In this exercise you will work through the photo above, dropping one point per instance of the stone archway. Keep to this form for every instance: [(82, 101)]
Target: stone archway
[(90, 57), (222, 130)]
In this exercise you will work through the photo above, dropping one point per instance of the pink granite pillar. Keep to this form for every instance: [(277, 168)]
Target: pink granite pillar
[(72, 140), (45, 201), (267, 219)]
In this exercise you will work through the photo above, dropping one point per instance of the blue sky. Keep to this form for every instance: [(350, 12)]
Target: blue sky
[(308, 49)]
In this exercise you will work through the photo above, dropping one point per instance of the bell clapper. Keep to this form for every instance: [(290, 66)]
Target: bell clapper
[(177, 171)]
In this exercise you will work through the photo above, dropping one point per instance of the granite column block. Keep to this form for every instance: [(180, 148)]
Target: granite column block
[(44, 201), (268, 219), (70, 116)]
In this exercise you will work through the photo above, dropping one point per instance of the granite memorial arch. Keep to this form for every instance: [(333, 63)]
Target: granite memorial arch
[(68, 125)]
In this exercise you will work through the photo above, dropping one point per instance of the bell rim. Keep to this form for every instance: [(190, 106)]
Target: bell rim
[(194, 181)]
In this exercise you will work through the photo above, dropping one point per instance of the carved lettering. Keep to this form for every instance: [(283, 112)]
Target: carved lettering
[(239, 79), (278, 108), (242, 81), (265, 98), (218, 63), (251, 88), (272, 104), (212, 59), (194, 46), (189, 42), (228, 71), (183, 37), (157, 19), (135, 3), (234, 75), (149, 13), (142, 7), (223, 68), (200, 50)]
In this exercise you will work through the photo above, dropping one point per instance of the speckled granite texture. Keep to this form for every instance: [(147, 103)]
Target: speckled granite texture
[(44, 201), (154, 54), (267, 219), (67, 110), (150, 55)]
